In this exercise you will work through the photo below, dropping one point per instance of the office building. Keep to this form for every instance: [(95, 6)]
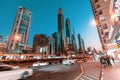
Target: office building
[(19, 35), (83, 44), (68, 30), (56, 37), (74, 45), (79, 42), (61, 29)]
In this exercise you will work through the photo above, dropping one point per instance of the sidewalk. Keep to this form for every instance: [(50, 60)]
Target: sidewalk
[(91, 71), (111, 73)]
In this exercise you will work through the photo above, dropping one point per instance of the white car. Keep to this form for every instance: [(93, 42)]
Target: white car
[(68, 61), (9, 72), (40, 64)]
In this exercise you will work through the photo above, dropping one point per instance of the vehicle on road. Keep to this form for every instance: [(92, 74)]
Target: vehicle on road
[(10, 72), (68, 61), (37, 64)]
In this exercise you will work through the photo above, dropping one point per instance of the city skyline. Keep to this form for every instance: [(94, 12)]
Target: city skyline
[(44, 18)]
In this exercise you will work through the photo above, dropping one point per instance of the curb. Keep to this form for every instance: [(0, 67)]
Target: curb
[(101, 73), (78, 77)]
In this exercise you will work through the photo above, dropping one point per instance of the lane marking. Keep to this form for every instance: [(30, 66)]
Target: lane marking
[(78, 77)]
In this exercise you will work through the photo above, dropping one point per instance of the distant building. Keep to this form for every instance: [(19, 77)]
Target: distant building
[(20, 30), (51, 46), (56, 37), (89, 49), (1, 38), (83, 44), (68, 30), (74, 42), (37, 44), (67, 42), (79, 42), (2, 47), (61, 29)]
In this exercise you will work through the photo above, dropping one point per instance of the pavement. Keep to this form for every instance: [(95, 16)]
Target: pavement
[(90, 71), (95, 71), (112, 72)]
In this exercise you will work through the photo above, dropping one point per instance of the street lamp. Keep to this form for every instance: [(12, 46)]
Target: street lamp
[(93, 22), (17, 38)]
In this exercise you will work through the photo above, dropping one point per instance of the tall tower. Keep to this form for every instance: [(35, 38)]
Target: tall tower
[(83, 44), (102, 17), (79, 42), (56, 38), (20, 30), (61, 29), (68, 30), (74, 42)]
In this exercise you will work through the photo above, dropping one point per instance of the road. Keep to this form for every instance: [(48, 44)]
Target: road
[(57, 72)]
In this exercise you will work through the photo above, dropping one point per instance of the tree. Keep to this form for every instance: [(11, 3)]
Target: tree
[(40, 40)]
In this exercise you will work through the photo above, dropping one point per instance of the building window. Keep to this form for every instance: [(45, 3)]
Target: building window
[(107, 34), (102, 32), (95, 1), (102, 18), (104, 41), (100, 12), (98, 6), (104, 26)]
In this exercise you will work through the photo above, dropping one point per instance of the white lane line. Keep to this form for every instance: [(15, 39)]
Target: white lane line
[(86, 77), (102, 74), (92, 76), (78, 77)]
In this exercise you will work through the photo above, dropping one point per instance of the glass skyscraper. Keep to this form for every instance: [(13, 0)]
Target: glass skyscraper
[(61, 29)]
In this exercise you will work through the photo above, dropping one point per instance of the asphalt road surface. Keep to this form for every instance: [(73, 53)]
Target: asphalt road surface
[(57, 72)]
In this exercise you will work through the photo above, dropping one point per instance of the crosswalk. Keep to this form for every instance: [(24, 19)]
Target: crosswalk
[(92, 71)]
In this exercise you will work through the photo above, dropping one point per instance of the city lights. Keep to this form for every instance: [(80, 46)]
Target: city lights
[(17, 38), (93, 22), (112, 17)]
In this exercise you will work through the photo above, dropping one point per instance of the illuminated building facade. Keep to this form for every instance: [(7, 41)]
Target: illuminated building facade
[(102, 17), (20, 30)]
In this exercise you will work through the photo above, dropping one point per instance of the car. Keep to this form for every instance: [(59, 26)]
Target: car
[(68, 61), (10, 72), (38, 64)]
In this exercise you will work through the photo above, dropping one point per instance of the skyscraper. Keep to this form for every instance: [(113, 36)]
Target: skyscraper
[(83, 44), (68, 30), (20, 30), (61, 29), (74, 42), (56, 38), (79, 42)]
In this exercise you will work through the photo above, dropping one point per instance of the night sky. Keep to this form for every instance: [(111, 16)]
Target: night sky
[(44, 18)]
